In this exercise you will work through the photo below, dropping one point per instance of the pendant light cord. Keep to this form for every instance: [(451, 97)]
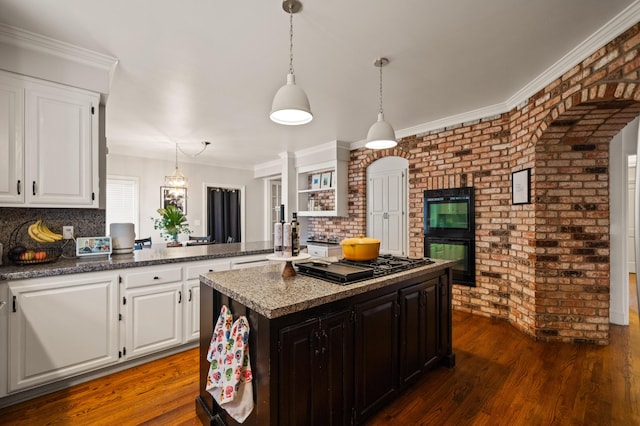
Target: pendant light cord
[(290, 39), (205, 144), (381, 112)]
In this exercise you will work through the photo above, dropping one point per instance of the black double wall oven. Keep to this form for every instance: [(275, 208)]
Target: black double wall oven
[(449, 230)]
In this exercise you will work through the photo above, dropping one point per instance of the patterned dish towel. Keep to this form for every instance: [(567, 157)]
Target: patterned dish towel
[(229, 378)]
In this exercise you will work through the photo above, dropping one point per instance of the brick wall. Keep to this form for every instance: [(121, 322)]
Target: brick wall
[(543, 266)]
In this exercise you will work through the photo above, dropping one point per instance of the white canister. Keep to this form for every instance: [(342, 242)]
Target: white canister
[(277, 239), (122, 237), (286, 239)]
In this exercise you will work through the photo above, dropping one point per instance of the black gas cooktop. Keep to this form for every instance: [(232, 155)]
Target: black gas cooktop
[(349, 271)]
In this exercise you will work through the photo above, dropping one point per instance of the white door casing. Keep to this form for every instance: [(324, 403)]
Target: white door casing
[(631, 229)]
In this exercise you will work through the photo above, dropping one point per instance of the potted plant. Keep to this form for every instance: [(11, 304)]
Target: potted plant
[(171, 223)]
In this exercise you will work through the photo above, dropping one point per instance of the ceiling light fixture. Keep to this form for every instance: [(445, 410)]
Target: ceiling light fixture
[(177, 179), (381, 135), (290, 104)]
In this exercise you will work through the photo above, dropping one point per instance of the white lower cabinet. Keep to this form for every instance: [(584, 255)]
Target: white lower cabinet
[(152, 305), (249, 261), (55, 328), (192, 311), (4, 339), (193, 270), (61, 326)]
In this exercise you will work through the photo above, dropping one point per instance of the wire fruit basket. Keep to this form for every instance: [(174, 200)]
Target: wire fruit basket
[(31, 255)]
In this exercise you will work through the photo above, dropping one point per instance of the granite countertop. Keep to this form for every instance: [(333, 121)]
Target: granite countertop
[(264, 290), (156, 255)]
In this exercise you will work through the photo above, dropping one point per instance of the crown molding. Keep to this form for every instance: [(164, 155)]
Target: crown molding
[(29, 40), (612, 29)]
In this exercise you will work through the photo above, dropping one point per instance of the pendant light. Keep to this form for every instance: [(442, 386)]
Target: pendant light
[(177, 179), (381, 135), (290, 104)]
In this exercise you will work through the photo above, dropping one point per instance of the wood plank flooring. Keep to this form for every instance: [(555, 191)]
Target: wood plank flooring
[(501, 378)]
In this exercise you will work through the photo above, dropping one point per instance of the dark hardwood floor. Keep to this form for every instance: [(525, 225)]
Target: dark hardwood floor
[(501, 378)]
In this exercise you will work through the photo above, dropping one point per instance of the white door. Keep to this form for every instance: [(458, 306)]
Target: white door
[(387, 204), (61, 133), (153, 318), (59, 327), (11, 141)]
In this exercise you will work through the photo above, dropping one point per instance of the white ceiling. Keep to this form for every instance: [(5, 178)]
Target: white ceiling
[(195, 70)]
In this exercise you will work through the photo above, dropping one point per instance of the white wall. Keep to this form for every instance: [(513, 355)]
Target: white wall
[(622, 145), (151, 175)]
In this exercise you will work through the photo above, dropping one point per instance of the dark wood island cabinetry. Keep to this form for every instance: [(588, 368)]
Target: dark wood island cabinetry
[(324, 354)]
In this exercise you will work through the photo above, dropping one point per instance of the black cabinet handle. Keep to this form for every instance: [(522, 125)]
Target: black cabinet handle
[(318, 343), (179, 296), (156, 277), (33, 187), (19, 187), (189, 295)]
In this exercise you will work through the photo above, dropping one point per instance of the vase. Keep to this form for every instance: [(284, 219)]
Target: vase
[(174, 242)]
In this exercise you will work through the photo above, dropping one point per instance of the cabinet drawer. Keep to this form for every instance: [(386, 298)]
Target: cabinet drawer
[(249, 261), (317, 251), (152, 277), (324, 251), (194, 271)]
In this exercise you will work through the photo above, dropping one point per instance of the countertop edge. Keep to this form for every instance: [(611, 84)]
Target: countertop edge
[(116, 262), (334, 291)]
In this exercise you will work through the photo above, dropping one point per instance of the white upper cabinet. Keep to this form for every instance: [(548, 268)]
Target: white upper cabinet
[(51, 133), (11, 140)]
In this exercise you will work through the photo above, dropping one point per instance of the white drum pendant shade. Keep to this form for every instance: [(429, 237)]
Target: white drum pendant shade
[(381, 135), (291, 105)]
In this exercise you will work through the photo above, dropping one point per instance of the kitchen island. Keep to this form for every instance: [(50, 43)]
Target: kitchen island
[(323, 353)]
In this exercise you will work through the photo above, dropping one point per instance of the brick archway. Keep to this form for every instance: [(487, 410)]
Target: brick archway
[(571, 263)]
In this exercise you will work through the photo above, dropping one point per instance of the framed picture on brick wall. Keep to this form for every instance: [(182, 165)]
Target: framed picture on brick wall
[(520, 187)]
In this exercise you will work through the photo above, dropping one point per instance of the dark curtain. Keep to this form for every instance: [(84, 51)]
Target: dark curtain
[(224, 215)]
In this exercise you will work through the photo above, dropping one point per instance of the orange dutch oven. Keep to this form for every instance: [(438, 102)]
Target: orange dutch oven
[(360, 248)]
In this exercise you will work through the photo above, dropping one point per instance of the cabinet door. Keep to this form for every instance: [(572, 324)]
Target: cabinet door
[(11, 141), (192, 310), (59, 327), (61, 134), (333, 401), (419, 328), (297, 362), (376, 353), (412, 331), (4, 338), (316, 371), (153, 318)]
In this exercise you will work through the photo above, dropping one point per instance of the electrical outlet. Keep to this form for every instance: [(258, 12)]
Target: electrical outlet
[(67, 232)]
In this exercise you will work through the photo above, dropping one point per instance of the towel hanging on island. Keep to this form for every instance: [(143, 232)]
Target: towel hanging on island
[(229, 378)]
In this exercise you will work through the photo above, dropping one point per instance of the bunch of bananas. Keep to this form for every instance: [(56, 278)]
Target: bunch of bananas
[(40, 233)]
